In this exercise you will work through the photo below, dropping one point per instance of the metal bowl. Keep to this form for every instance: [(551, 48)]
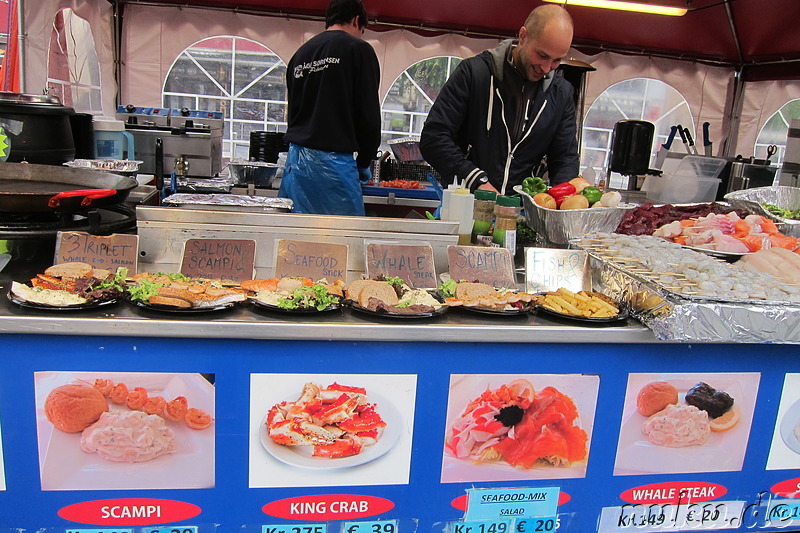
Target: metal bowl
[(752, 200), (258, 173), (559, 227)]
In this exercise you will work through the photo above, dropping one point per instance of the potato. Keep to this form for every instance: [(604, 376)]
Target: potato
[(545, 200), (576, 201)]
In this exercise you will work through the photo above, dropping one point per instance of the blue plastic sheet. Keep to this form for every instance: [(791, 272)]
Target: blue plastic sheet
[(320, 182)]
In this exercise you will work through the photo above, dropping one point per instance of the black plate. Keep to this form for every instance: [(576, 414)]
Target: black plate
[(499, 312), (437, 312), (299, 311), (33, 305), (623, 314), (181, 310)]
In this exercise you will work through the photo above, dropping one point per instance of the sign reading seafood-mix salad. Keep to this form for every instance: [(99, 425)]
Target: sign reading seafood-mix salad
[(511, 427), (330, 430)]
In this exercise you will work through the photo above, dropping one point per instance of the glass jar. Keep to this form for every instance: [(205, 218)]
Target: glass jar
[(482, 216), (506, 212)]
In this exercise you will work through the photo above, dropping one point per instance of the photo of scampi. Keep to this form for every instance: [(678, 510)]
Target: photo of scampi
[(785, 448), (682, 423), (125, 430)]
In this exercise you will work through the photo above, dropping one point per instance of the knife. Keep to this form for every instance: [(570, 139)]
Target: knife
[(690, 142), (707, 144), (661, 155)]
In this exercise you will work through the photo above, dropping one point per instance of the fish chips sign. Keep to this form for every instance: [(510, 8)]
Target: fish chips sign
[(485, 264)]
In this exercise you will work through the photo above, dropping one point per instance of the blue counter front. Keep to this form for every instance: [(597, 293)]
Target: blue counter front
[(580, 431)]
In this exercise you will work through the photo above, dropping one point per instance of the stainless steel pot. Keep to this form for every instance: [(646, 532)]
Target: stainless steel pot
[(38, 128)]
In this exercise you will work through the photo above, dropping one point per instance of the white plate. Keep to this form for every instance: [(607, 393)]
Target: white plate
[(790, 421), (301, 455), (64, 466), (723, 451)]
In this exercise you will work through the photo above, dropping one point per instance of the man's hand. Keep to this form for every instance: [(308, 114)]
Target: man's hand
[(488, 187), (364, 174)]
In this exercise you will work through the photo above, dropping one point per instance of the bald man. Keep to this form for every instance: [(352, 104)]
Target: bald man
[(503, 111)]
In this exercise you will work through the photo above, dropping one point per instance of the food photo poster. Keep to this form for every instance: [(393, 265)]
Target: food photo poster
[(507, 427), (319, 430), (784, 453), (125, 430), (686, 422)]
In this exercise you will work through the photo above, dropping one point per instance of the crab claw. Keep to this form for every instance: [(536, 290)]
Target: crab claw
[(300, 432)]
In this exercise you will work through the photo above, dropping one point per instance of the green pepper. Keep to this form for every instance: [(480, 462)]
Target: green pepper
[(593, 194), (534, 186)]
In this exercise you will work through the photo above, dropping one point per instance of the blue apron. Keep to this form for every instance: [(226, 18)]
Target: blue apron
[(322, 183)]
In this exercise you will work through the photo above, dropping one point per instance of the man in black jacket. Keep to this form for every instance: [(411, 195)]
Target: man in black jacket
[(502, 111), (333, 114)]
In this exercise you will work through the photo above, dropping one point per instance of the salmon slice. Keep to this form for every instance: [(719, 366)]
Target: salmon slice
[(783, 241), (753, 242)]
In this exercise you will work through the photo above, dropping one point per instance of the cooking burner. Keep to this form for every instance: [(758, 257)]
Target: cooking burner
[(104, 220)]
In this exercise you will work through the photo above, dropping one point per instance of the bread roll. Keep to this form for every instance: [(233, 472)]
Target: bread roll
[(655, 396), (73, 408), (72, 270), (381, 290), (474, 291), (354, 289)]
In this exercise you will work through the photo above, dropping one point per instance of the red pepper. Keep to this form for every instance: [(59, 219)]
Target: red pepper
[(560, 191)]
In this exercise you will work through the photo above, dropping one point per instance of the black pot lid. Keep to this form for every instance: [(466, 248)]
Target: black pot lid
[(19, 98)]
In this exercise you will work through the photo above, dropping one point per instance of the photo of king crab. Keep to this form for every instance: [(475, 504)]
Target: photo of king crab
[(336, 421)]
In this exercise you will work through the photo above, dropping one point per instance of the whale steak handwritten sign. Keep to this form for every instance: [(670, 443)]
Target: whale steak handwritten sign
[(109, 252), (550, 269), (484, 264), (231, 260), (411, 262), (315, 260)]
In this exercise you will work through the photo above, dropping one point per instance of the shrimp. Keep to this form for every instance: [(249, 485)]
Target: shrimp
[(197, 419), (136, 398), (104, 386), (119, 394), (155, 405), (176, 409)]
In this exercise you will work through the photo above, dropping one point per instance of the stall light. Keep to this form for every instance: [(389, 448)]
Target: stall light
[(625, 6)]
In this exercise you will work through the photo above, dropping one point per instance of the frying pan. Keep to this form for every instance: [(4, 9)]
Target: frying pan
[(33, 188)]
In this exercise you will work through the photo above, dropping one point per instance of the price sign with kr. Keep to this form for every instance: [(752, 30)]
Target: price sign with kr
[(375, 526), (106, 530), (287, 528)]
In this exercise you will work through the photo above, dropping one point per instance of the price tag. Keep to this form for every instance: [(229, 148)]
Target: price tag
[(412, 263), (488, 504), (109, 252), (287, 528), (550, 269), (105, 530), (536, 525), (714, 515), (485, 264), (784, 512), (172, 529), (488, 526), (375, 526), (224, 259)]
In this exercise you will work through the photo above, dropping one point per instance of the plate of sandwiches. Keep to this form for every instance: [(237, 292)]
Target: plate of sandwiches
[(70, 286), (485, 299), (392, 298), (174, 293)]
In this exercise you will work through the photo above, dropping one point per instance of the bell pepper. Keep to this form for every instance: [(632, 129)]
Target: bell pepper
[(534, 186), (560, 191), (593, 194)]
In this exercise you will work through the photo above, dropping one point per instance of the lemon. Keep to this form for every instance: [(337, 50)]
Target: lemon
[(522, 387), (726, 421)]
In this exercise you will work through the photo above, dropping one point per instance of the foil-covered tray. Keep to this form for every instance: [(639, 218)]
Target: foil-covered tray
[(558, 227), (678, 305), (753, 200), (230, 202)]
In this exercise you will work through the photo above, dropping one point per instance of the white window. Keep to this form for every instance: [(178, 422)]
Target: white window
[(775, 131), (239, 77), (73, 72), (638, 99), (411, 96)]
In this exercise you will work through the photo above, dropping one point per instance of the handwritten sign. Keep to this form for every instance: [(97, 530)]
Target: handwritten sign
[(716, 515), (412, 263), (229, 260), (109, 252), (315, 260), (549, 269), (485, 264)]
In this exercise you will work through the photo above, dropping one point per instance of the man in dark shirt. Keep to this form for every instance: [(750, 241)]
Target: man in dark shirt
[(333, 115)]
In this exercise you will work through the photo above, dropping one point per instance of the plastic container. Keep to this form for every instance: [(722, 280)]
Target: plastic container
[(506, 212), (111, 141), (460, 209), (695, 180), (482, 216)]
